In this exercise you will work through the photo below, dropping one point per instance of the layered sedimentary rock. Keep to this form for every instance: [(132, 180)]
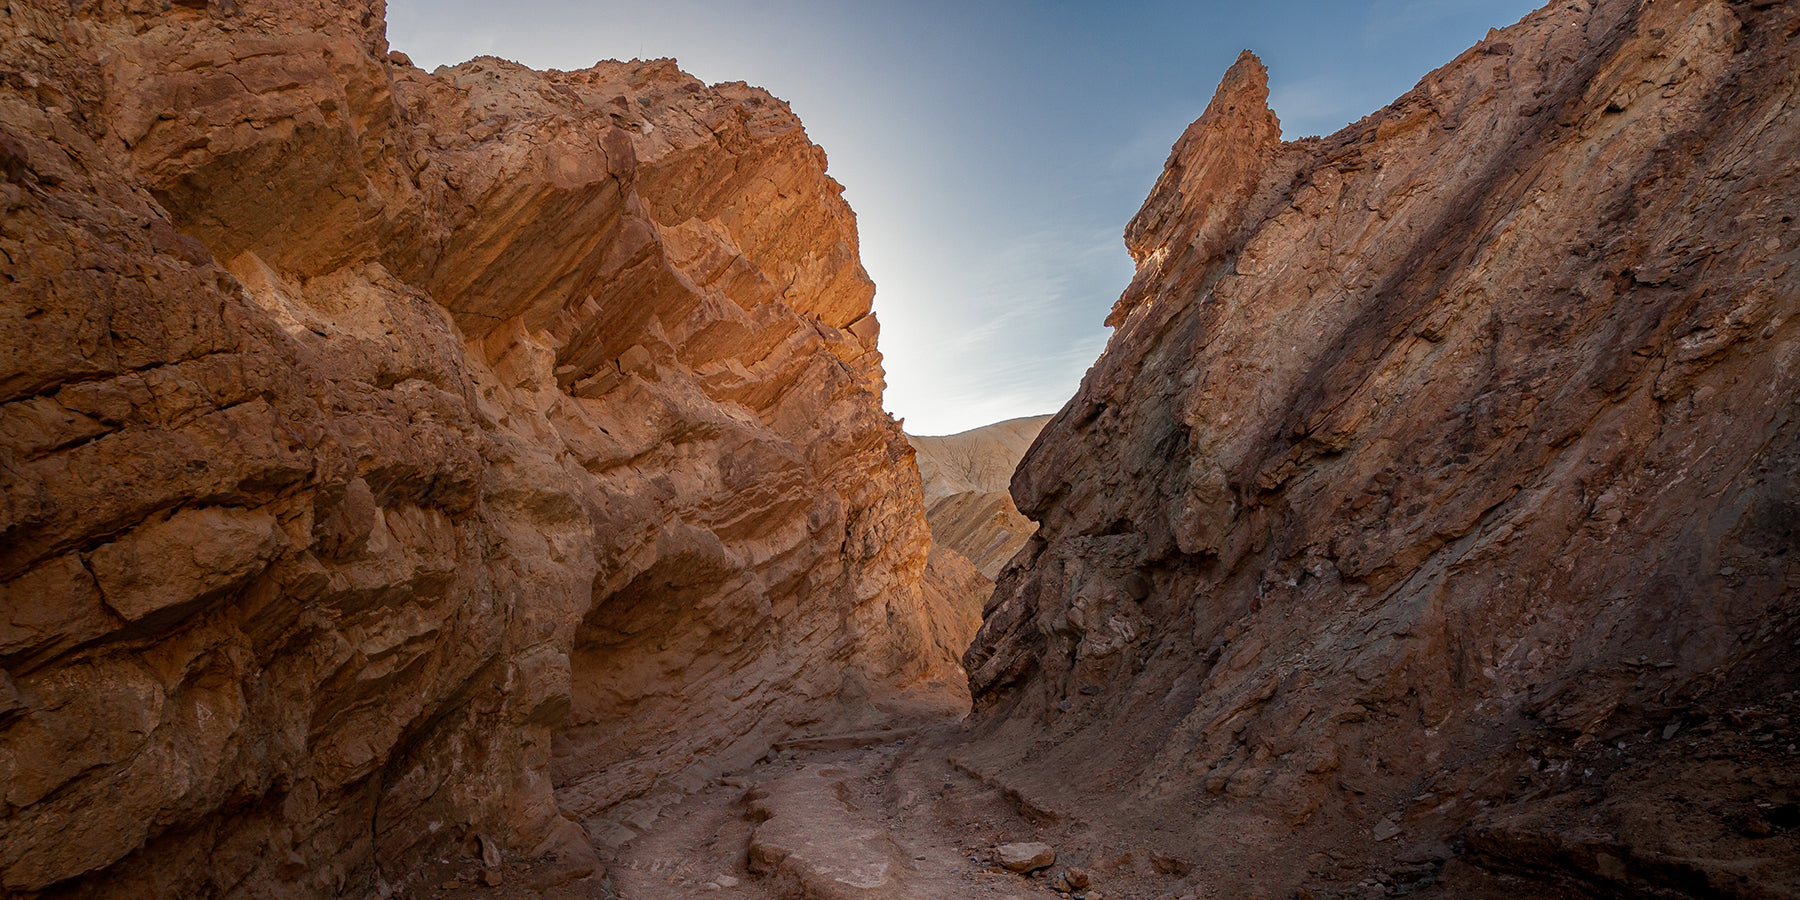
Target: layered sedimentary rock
[(968, 505), (395, 459), (1438, 488), (984, 528)]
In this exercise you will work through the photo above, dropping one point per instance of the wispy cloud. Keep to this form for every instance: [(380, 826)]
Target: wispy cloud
[(1030, 327), (994, 151)]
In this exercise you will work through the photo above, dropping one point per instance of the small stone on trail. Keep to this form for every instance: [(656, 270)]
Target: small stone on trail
[(1026, 857), (1077, 877), (491, 877), (1169, 865)]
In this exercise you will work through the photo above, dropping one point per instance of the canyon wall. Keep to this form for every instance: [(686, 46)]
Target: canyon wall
[(400, 464), (1434, 502), (967, 503)]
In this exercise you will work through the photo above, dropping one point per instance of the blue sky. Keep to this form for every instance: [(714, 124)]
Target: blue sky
[(993, 151)]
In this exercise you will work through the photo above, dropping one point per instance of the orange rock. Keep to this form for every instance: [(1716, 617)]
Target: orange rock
[(521, 456)]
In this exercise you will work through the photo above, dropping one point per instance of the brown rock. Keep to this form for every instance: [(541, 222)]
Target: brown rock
[(1026, 857), (1077, 878), (193, 555), (1405, 484), (395, 456), (1169, 865)]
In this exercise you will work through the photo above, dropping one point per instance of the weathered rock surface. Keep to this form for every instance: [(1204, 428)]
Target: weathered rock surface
[(986, 529), (966, 477), (401, 463), (811, 843), (1027, 857), (1439, 478)]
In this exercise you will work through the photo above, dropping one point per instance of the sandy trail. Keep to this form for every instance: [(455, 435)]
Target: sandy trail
[(875, 815), (893, 819)]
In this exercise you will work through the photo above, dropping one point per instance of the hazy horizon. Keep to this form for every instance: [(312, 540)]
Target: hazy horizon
[(993, 153)]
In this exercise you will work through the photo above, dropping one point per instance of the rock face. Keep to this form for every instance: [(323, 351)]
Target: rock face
[(985, 528), (1440, 478), (402, 463), (968, 506)]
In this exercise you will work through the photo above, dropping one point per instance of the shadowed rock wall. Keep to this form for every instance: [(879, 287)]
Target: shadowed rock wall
[(391, 457), (1438, 473)]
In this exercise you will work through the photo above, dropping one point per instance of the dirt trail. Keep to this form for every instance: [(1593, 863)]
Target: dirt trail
[(874, 815), (892, 819)]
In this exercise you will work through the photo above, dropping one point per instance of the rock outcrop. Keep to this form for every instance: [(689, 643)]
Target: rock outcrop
[(968, 505), (399, 464), (1438, 488)]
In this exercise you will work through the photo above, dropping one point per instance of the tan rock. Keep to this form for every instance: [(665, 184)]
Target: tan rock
[(986, 528), (975, 528), (980, 460), (1026, 857), (810, 842)]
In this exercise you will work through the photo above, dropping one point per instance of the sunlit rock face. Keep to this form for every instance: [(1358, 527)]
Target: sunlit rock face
[(393, 458), (1439, 474)]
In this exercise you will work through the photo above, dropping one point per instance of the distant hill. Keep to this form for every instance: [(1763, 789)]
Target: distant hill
[(966, 499), (980, 459)]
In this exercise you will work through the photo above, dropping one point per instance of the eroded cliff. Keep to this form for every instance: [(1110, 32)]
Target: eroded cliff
[(1436, 493), (398, 460), (967, 503)]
